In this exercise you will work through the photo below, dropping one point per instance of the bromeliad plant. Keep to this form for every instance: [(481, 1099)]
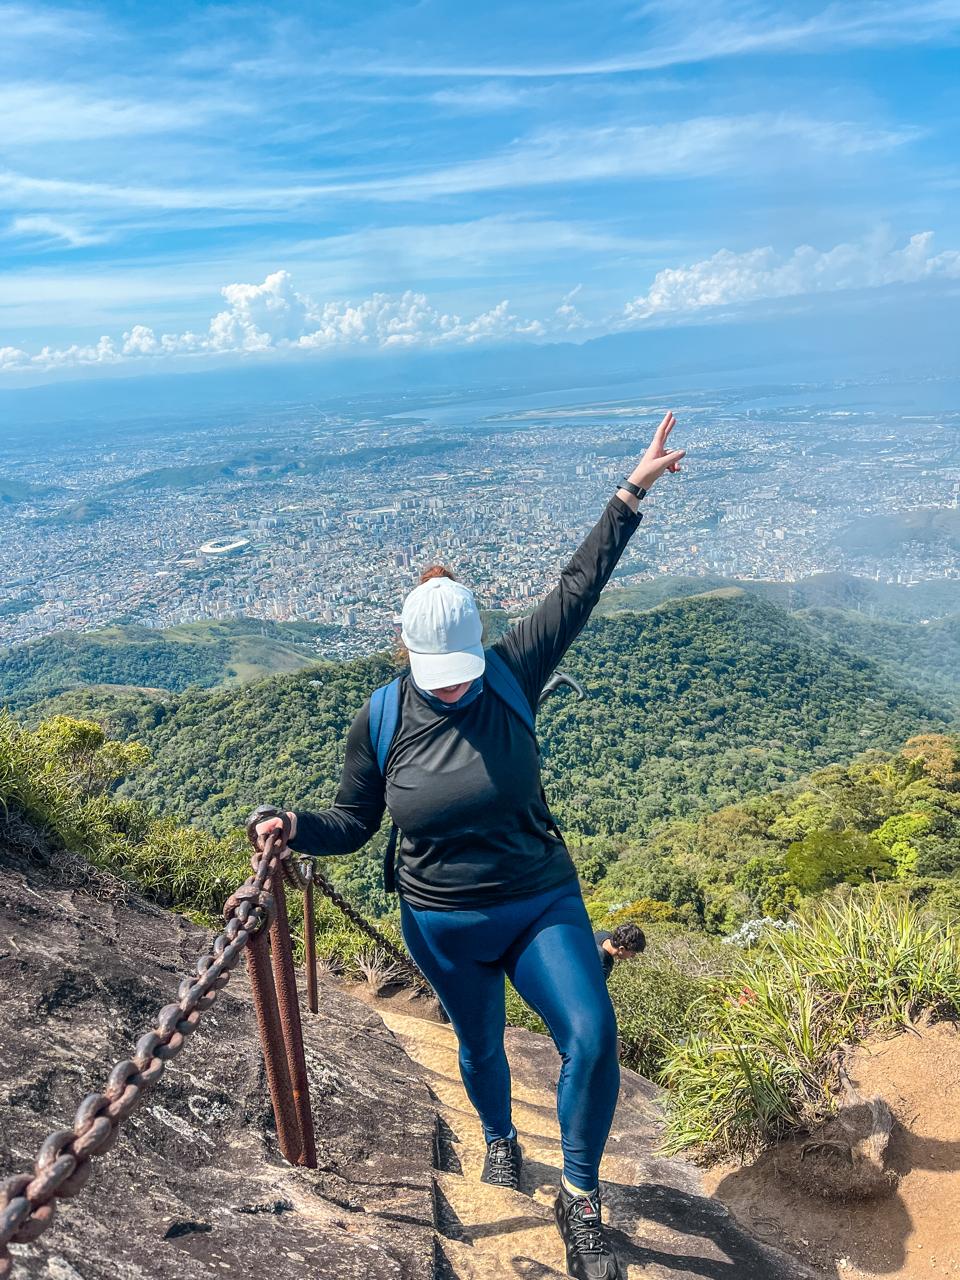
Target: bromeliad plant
[(764, 1060)]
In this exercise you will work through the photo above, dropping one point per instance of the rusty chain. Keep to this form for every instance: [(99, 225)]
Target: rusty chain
[(62, 1168), (302, 874), (63, 1164), (398, 955)]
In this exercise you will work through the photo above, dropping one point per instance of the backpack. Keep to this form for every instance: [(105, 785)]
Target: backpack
[(385, 716)]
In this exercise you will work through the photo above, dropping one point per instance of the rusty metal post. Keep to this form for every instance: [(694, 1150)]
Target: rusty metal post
[(289, 1134), (310, 940), (289, 1006)]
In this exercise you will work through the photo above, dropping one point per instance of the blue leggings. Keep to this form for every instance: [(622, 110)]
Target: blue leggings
[(545, 946)]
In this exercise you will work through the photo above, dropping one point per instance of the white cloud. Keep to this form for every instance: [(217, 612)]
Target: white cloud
[(685, 148), (13, 358), (38, 112), (730, 278), (463, 248), (566, 316), (28, 24), (482, 98), (274, 316), (44, 228)]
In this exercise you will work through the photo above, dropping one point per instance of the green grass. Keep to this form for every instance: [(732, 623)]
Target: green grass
[(59, 779), (763, 1058)]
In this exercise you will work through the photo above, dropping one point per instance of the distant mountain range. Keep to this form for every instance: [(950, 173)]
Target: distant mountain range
[(847, 337), (935, 598)]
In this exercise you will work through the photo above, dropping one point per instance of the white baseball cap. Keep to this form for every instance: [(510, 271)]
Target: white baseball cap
[(442, 631)]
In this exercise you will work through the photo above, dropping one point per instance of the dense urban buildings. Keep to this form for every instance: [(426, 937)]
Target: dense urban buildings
[(328, 513)]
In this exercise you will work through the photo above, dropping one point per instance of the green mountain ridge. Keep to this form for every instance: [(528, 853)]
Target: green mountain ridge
[(202, 653), (917, 602), (700, 701), (925, 656), (697, 707), (692, 705)]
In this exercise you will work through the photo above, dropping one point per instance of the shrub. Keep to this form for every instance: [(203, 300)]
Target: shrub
[(654, 1003), (377, 968), (765, 1058)]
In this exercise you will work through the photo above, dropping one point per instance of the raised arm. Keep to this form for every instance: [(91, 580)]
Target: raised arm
[(357, 811), (537, 643)]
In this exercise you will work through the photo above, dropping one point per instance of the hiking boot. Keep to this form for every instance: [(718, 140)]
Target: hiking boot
[(502, 1163), (589, 1257)]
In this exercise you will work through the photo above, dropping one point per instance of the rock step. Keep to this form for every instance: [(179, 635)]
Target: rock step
[(662, 1225)]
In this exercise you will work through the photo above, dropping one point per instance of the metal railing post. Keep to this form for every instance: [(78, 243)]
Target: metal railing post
[(310, 939), (292, 1028)]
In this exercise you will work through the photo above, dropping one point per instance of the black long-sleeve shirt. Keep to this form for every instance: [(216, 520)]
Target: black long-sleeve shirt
[(463, 785)]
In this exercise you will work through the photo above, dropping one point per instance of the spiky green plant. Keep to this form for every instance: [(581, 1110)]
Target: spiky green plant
[(764, 1059)]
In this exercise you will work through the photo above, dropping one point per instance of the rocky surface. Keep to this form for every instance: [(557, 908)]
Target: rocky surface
[(663, 1225), (196, 1186)]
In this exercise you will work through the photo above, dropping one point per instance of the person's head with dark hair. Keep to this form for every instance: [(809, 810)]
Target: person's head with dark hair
[(628, 940)]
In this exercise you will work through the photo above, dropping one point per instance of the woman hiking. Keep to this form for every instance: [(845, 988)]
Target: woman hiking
[(487, 887)]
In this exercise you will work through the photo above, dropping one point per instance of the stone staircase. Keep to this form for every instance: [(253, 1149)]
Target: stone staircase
[(662, 1223)]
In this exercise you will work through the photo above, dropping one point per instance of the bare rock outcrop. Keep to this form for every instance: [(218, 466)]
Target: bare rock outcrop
[(196, 1186)]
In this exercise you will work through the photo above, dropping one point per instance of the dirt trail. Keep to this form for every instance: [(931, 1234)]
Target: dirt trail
[(663, 1225), (915, 1231)]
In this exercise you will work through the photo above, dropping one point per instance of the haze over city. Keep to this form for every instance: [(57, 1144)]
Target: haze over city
[(285, 297)]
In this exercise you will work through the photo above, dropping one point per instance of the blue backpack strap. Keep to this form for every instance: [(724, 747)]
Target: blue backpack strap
[(507, 688), (384, 714)]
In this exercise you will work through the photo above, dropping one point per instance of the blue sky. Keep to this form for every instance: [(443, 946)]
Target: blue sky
[(187, 183)]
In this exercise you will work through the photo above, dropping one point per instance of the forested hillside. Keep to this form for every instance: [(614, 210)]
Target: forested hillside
[(701, 701), (692, 705), (91, 667), (696, 707), (885, 816), (896, 602), (203, 654), (923, 655)]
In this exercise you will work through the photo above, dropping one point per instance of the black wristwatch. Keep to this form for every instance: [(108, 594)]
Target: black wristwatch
[(638, 492)]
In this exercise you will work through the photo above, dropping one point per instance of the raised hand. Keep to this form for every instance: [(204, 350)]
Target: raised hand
[(658, 457)]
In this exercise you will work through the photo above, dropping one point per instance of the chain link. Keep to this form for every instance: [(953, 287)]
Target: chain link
[(62, 1167), (27, 1201), (353, 915), (302, 872)]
